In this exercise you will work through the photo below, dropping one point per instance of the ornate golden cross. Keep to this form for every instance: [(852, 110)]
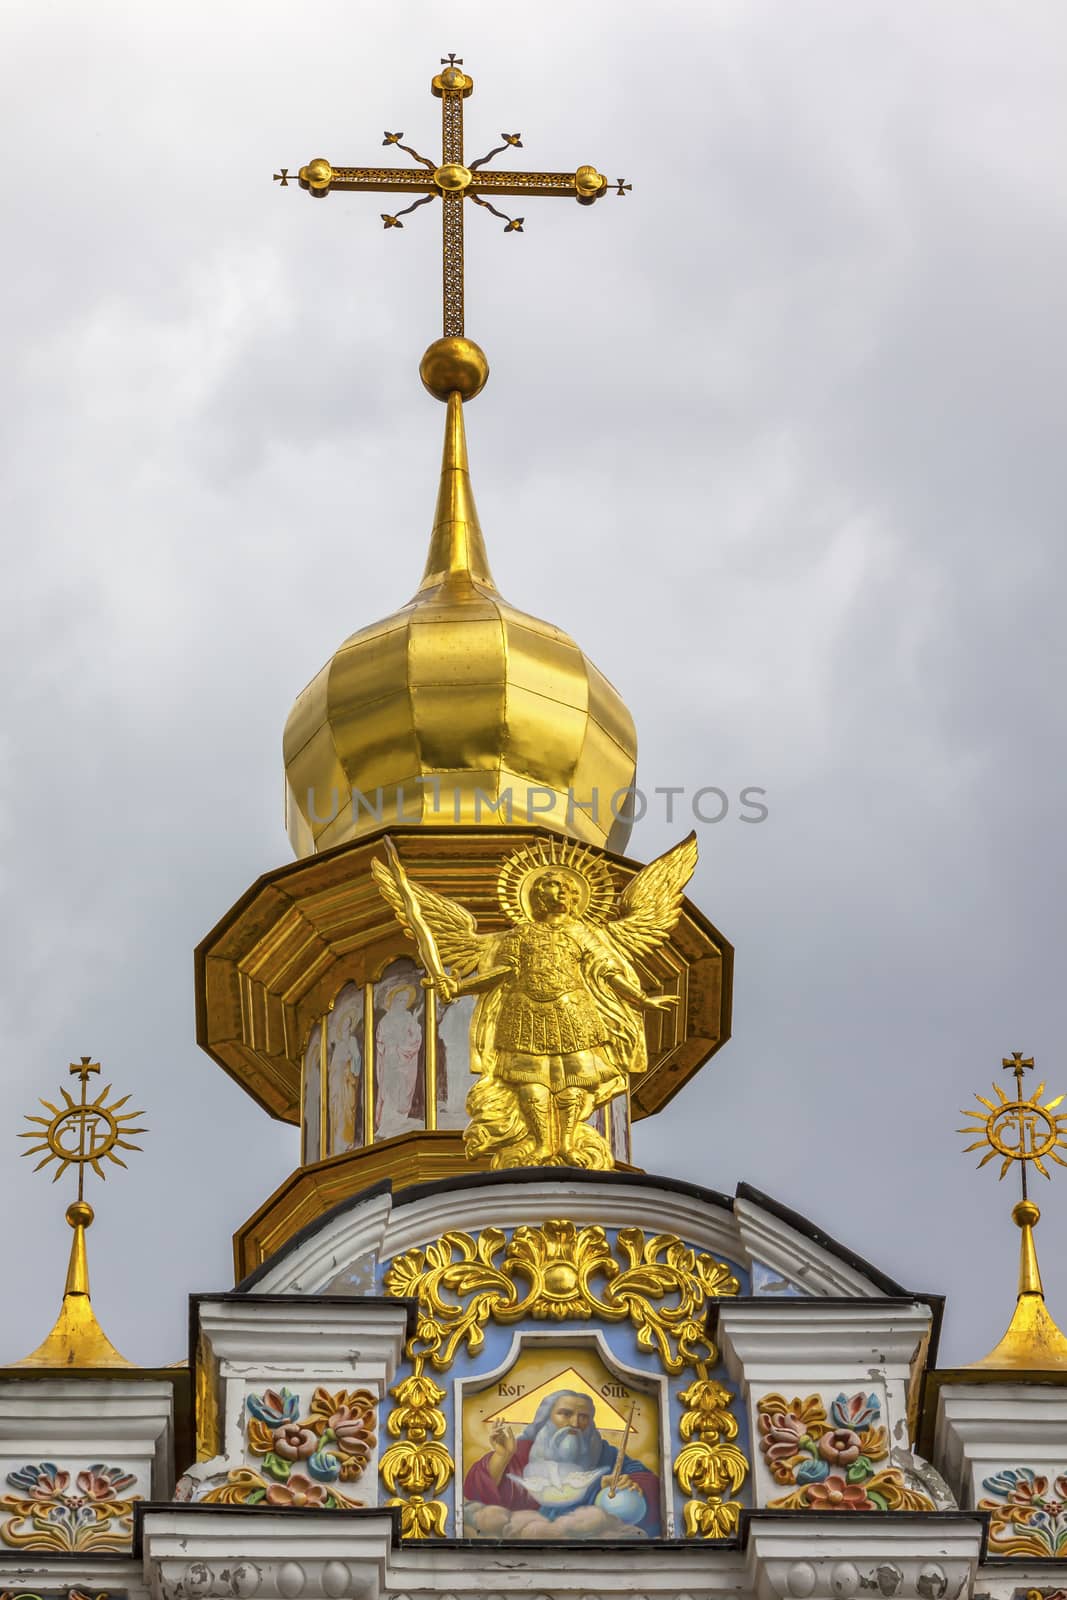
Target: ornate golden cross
[(453, 182)]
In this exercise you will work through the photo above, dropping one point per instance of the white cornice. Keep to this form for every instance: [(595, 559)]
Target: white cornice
[(190, 1554), (808, 1341), (983, 1427), (95, 1574), (900, 1557), (297, 1334), (266, 1556), (86, 1419)]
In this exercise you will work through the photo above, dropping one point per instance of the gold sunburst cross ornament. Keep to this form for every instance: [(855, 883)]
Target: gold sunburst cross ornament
[(1020, 1130), (80, 1133), (1023, 1130)]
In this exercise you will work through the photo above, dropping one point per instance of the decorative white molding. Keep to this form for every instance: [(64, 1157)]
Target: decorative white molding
[(686, 1571), (610, 1205), (299, 1342), (263, 1556), (786, 1342), (381, 1229), (795, 1256), (38, 1570), (190, 1554), (342, 1243), (982, 1428), (897, 1557), (122, 1422), (363, 1235)]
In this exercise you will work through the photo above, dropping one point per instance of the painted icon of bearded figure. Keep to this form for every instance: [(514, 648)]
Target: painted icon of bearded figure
[(558, 1027), (561, 1462)]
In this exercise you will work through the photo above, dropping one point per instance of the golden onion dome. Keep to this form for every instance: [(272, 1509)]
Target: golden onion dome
[(458, 709)]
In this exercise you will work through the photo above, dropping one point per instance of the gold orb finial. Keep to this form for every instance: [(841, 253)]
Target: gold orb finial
[(454, 366), (589, 185), (80, 1214), (317, 175)]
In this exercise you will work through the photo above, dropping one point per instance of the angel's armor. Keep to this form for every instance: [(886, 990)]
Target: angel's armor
[(547, 1008), (557, 1029)]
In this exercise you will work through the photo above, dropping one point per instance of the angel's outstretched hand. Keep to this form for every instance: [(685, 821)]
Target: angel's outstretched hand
[(661, 1002)]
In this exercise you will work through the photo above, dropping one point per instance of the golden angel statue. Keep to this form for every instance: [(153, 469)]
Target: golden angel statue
[(558, 1026)]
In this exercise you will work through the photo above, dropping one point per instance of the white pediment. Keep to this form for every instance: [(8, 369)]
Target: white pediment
[(342, 1252)]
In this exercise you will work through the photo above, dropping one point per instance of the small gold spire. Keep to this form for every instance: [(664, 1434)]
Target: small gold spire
[(457, 549), (77, 1339), (1023, 1130), (1033, 1342), (79, 1133)]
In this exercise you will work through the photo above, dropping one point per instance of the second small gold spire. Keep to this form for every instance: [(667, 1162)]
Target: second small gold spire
[(1023, 1130)]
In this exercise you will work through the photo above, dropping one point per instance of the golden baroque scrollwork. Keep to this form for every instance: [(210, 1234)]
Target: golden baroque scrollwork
[(554, 1272), (558, 1028)]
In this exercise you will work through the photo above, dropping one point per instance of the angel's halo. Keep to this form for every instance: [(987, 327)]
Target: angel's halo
[(581, 865)]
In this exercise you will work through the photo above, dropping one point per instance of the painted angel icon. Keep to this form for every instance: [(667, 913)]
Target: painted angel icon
[(558, 1028)]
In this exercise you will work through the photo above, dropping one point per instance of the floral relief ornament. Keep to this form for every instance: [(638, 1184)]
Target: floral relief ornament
[(96, 1514), (1027, 1517), (831, 1460), (303, 1458)]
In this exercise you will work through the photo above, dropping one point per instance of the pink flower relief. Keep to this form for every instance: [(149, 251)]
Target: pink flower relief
[(50, 1485), (782, 1432), (299, 1491), (841, 1447), (834, 1494), (294, 1443), (353, 1430), (104, 1483)]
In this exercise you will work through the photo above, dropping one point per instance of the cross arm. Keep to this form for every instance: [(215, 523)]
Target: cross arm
[(585, 185), (320, 177)]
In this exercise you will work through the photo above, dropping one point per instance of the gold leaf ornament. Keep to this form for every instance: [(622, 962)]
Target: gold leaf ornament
[(713, 1518), (421, 1519)]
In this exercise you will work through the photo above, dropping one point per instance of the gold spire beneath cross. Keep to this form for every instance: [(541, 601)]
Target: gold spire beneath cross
[(452, 182), (79, 1133), (1023, 1130)]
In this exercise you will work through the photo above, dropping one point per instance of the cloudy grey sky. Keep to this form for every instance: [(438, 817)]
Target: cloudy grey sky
[(778, 439)]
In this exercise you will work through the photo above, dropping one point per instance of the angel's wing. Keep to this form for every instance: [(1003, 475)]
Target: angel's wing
[(651, 902), (453, 929)]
